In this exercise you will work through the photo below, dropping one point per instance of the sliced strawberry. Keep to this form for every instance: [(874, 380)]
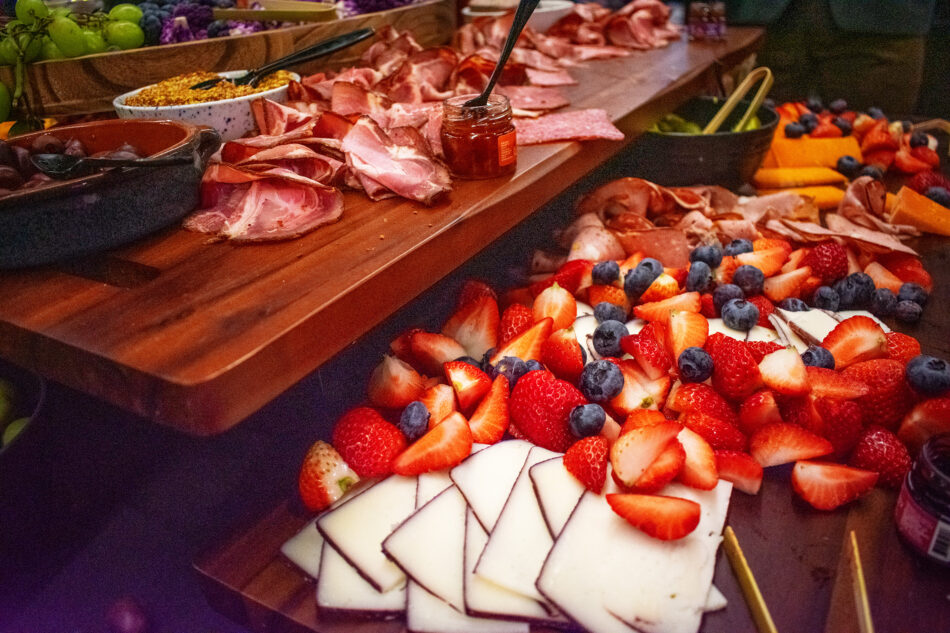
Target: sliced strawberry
[(635, 450), (629, 264), (664, 518), (707, 306), (639, 392), (854, 265), (470, 383), (702, 398), (609, 294), (662, 471), (883, 278), (475, 325), (663, 287), (784, 372), (765, 307), (758, 410), (562, 354), (571, 276), (906, 163), (660, 310), (648, 351), (527, 345), (761, 349), (782, 443), (785, 285), (832, 384), (735, 372), (401, 346), (490, 420), (801, 411), (324, 477), (679, 274), (901, 347), (882, 158), (856, 339), (927, 155), (394, 384), (826, 130), (828, 486), (726, 269), (367, 442), (441, 447), (699, 469), (928, 418), (557, 303), (642, 417), (586, 459), (795, 260), (439, 400), (878, 138), (766, 243), (516, 319), (841, 423), (769, 261), (686, 329), (718, 433), (741, 469), (474, 289), (809, 286), (431, 350)]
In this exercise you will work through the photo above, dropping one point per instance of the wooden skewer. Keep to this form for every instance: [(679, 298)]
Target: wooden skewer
[(753, 597), (861, 604)]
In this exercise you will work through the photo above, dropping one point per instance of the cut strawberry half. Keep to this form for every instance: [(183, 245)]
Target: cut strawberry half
[(572, 276), (401, 346), (718, 433), (827, 486), (664, 518), (765, 243), (474, 289), (490, 420), (633, 452), (726, 269), (470, 383), (769, 261), (686, 329), (901, 347), (765, 307), (648, 351), (699, 468), (660, 310), (795, 259), (638, 392), (431, 350), (557, 303), (928, 418), (785, 285), (783, 443), (758, 410), (883, 278), (441, 447), (784, 372), (439, 401), (642, 417), (527, 345), (701, 398), (394, 384), (679, 274), (664, 469), (608, 294), (562, 355), (856, 339), (905, 162), (828, 383), (516, 319), (586, 459), (663, 287), (761, 349), (741, 469), (475, 325), (324, 477)]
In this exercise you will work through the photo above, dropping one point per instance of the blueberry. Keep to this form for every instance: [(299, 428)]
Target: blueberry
[(842, 124), (809, 120), (940, 195), (739, 314), (816, 356), (639, 279), (606, 273), (849, 166), (607, 338), (883, 302), (825, 298), (737, 247), (700, 277), (908, 311), (919, 139), (710, 253), (586, 420), (875, 113), (793, 305), (414, 421), (601, 380), (749, 279), (534, 365), (873, 171), (855, 290), (725, 293), (814, 104), (512, 368), (928, 375), (471, 361), (794, 130), (695, 364), (913, 292), (606, 311), (838, 106)]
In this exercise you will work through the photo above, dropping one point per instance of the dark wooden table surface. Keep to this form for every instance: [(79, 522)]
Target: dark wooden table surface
[(198, 336)]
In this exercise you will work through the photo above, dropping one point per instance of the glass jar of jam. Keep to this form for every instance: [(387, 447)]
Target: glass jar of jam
[(923, 506), (479, 142)]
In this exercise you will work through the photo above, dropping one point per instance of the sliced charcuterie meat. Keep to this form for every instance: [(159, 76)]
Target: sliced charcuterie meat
[(534, 97), (547, 78), (578, 125)]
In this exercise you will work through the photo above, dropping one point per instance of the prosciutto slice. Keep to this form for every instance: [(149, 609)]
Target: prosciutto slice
[(423, 76), (347, 99), (402, 169), (274, 119), (578, 125), (297, 158)]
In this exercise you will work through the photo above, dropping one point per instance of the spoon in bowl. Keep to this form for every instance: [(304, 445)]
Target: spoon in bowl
[(64, 166), (524, 11)]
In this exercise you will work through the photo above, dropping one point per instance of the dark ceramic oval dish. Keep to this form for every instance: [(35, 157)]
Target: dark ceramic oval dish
[(109, 208), (725, 158)]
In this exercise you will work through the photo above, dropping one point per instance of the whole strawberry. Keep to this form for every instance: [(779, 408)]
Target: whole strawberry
[(901, 347), (889, 398), (516, 318), (765, 307), (828, 260), (563, 355), (586, 459), (881, 451), (367, 442), (697, 396), (735, 372), (540, 406), (324, 477), (841, 423)]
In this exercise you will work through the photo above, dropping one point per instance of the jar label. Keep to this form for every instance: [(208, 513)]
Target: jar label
[(507, 149), (925, 532)]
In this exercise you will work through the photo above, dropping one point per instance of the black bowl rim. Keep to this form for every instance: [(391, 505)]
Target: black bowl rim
[(721, 133)]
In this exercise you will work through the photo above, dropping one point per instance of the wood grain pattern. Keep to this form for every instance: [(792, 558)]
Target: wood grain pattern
[(217, 330), (89, 84)]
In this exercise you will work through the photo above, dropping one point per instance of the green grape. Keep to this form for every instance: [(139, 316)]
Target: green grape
[(8, 52), (68, 37), (32, 46), (5, 102), (125, 35), (49, 50), (126, 12), (94, 42), (60, 12), (28, 11), (13, 429)]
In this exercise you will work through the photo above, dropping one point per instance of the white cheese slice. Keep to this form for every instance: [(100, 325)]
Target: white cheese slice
[(557, 491), (341, 589), (759, 333), (357, 528), (717, 325), (811, 326), (486, 478), (635, 325), (786, 335), (584, 327), (304, 548), (715, 600), (426, 613), (584, 308)]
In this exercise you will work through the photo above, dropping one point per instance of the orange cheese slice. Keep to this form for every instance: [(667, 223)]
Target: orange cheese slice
[(913, 208), (814, 152), (781, 177)]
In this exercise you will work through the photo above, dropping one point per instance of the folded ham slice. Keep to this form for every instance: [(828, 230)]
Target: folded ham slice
[(578, 125)]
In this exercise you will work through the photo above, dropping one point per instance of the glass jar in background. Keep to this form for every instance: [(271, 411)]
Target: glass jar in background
[(479, 142), (923, 506)]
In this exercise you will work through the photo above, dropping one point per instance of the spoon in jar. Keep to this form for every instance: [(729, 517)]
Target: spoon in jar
[(64, 166), (524, 11)]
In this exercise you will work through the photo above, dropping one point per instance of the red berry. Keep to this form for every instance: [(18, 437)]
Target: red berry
[(539, 407), (735, 372), (516, 319), (841, 423), (765, 307), (586, 459), (367, 442), (888, 398), (901, 347), (879, 450), (828, 260)]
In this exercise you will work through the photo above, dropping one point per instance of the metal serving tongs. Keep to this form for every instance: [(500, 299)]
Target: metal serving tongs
[(762, 73), (320, 49)]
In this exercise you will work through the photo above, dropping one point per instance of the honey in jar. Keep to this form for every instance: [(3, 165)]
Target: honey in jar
[(479, 142)]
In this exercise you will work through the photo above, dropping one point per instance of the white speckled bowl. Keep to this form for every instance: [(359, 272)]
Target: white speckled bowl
[(232, 118), (545, 15)]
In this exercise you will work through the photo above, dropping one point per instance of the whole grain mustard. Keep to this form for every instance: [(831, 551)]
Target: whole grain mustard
[(177, 90)]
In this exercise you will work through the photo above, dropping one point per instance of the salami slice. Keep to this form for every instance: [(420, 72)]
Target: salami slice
[(548, 78), (578, 125), (534, 97)]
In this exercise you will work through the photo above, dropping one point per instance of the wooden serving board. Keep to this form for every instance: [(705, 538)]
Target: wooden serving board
[(90, 83), (199, 335)]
